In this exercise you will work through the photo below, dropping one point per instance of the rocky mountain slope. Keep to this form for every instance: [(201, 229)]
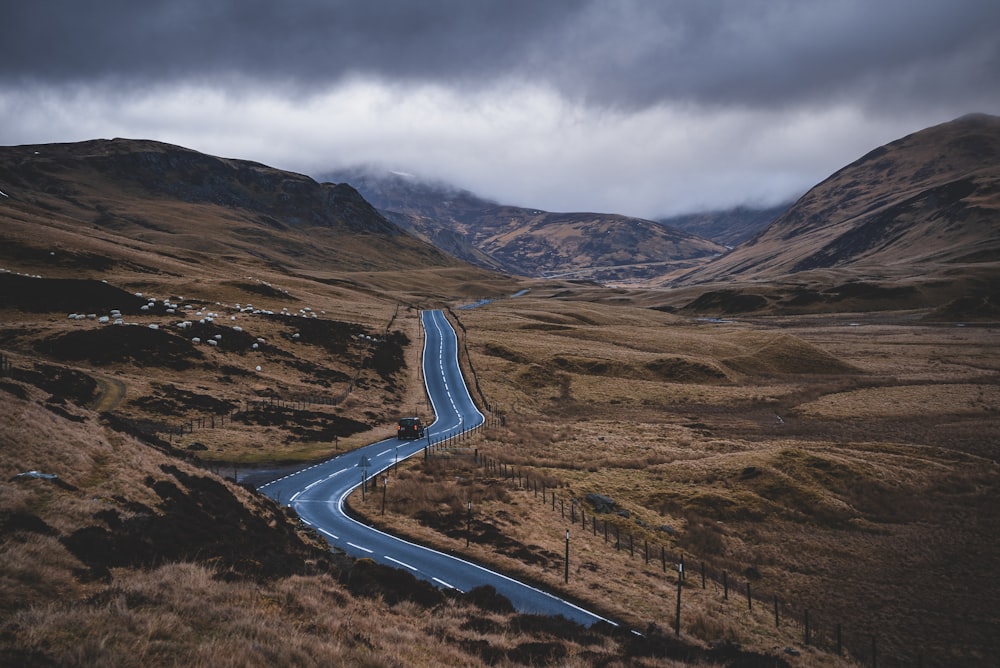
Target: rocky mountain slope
[(927, 203), (608, 248)]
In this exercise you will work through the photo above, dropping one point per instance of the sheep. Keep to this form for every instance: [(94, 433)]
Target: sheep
[(237, 328), (218, 337), (196, 340), (257, 369), (255, 346), (154, 326), (212, 342), (104, 320), (295, 335)]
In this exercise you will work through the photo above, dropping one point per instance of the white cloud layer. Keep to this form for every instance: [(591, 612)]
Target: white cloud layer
[(516, 143)]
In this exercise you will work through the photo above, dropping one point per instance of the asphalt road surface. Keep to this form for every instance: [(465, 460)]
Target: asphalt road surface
[(317, 493)]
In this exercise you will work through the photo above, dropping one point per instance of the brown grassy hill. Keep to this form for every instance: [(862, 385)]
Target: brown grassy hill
[(607, 248), (924, 205), (166, 197), (123, 544)]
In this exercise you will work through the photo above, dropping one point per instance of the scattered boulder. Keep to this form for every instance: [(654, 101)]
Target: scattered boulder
[(601, 503)]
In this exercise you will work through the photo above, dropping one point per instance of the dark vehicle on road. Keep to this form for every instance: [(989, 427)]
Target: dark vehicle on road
[(409, 428)]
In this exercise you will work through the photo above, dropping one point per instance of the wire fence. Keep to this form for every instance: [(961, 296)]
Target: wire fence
[(814, 628)]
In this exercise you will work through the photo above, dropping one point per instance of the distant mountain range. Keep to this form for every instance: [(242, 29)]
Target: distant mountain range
[(601, 247), (729, 227), (919, 213)]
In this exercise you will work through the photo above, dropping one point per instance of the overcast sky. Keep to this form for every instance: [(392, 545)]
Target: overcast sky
[(641, 107)]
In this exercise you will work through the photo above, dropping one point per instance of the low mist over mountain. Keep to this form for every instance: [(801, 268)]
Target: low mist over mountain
[(926, 204), (107, 197), (729, 227), (529, 242)]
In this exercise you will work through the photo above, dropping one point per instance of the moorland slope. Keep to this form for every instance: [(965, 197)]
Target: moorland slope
[(925, 204)]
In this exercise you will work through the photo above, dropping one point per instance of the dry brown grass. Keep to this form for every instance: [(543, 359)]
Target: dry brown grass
[(868, 501), (195, 611), (848, 463)]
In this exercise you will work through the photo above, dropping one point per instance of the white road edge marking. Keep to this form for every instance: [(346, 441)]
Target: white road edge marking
[(401, 563)]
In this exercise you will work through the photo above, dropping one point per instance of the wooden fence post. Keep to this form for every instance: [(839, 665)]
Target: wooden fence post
[(677, 617)]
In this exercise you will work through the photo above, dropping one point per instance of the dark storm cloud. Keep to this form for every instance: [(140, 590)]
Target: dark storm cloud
[(304, 42), (761, 53), (774, 52)]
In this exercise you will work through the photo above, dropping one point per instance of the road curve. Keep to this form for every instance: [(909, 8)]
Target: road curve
[(317, 493)]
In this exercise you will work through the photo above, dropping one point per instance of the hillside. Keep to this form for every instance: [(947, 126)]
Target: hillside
[(94, 193), (777, 453), (607, 248), (925, 205), (152, 350)]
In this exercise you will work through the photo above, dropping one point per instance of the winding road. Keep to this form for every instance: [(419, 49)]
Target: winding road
[(317, 493)]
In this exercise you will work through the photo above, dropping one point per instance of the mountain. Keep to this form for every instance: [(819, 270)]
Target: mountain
[(926, 204), (158, 195), (729, 227), (594, 246)]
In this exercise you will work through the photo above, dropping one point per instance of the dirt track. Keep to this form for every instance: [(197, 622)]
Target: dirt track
[(111, 391)]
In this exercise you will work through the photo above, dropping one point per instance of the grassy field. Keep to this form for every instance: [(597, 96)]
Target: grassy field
[(845, 464)]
